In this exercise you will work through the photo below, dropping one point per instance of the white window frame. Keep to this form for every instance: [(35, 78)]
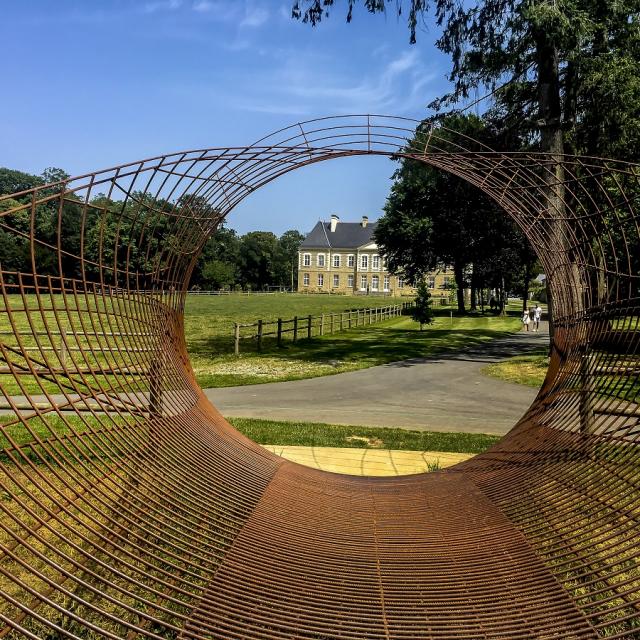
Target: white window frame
[(431, 282), (336, 260), (364, 261), (351, 260), (305, 279), (336, 280), (385, 283), (363, 283), (306, 260), (375, 283), (350, 281), (319, 257), (375, 262), (400, 282), (321, 280)]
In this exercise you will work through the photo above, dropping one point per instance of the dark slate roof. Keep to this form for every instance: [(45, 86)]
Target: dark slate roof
[(348, 235)]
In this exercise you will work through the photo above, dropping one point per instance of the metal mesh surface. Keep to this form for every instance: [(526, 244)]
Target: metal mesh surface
[(131, 509)]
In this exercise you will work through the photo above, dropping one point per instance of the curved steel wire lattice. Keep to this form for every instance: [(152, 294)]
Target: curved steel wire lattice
[(131, 509)]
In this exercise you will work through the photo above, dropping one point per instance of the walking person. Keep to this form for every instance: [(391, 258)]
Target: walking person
[(526, 319), (537, 315)]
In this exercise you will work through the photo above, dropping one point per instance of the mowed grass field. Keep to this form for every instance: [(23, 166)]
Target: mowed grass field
[(209, 331), (209, 334)]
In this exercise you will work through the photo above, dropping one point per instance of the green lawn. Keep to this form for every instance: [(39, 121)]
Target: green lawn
[(261, 431), (209, 322), (529, 369), (314, 434), (388, 341)]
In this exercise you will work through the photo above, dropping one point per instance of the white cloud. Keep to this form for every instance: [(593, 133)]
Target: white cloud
[(275, 109), (254, 17), (398, 86), (162, 5), (203, 6)]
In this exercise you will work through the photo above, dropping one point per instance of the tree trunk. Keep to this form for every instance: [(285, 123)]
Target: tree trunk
[(458, 273), (562, 270), (474, 292)]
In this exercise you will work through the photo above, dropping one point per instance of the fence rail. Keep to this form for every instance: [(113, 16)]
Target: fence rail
[(311, 326)]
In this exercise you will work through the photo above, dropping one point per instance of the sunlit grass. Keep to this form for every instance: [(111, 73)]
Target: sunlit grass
[(529, 370), (209, 330)]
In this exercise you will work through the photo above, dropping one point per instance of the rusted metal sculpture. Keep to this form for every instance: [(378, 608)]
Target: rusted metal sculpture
[(131, 509)]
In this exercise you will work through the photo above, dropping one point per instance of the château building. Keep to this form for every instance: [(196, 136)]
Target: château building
[(342, 257)]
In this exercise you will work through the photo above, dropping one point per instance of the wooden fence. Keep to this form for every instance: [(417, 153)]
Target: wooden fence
[(310, 326)]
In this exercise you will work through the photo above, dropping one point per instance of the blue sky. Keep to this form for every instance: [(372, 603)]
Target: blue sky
[(92, 83)]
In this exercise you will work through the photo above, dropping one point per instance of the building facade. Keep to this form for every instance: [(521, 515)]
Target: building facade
[(342, 257)]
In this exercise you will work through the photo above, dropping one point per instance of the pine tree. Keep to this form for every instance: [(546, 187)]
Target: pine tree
[(422, 311)]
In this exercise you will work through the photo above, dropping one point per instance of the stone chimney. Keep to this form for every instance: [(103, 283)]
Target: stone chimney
[(365, 221), (334, 222)]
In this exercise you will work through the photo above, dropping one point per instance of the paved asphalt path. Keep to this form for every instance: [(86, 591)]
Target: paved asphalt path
[(444, 393)]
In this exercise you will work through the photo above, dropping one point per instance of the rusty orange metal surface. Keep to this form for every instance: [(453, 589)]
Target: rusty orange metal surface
[(131, 509)]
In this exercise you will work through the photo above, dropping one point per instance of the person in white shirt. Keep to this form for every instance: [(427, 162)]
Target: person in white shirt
[(537, 314), (525, 319)]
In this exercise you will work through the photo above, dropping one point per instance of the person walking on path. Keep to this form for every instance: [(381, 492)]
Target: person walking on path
[(525, 319), (537, 314)]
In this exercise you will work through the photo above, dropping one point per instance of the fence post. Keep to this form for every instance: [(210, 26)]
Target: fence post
[(279, 332), (332, 320), (309, 327), (295, 328), (322, 324), (63, 348), (350, 317), (259, 335), (236, 348), (357, 317), (342, 321)]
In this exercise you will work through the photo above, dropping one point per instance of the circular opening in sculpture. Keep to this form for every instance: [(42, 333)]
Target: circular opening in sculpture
[(435, 395)]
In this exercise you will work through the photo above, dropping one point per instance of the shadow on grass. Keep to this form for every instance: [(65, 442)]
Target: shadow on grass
[(373, 345)]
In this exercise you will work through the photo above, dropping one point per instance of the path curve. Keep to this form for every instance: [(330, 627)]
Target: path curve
[(439, 393)]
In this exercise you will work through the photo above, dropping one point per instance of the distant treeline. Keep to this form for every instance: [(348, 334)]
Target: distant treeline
[(257, 260)]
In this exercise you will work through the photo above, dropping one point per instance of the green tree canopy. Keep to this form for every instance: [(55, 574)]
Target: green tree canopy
[(433, 218), (286, 259), (562, 72)]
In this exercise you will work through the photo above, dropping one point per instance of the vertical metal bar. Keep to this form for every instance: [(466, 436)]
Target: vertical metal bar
[(63, 347)]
